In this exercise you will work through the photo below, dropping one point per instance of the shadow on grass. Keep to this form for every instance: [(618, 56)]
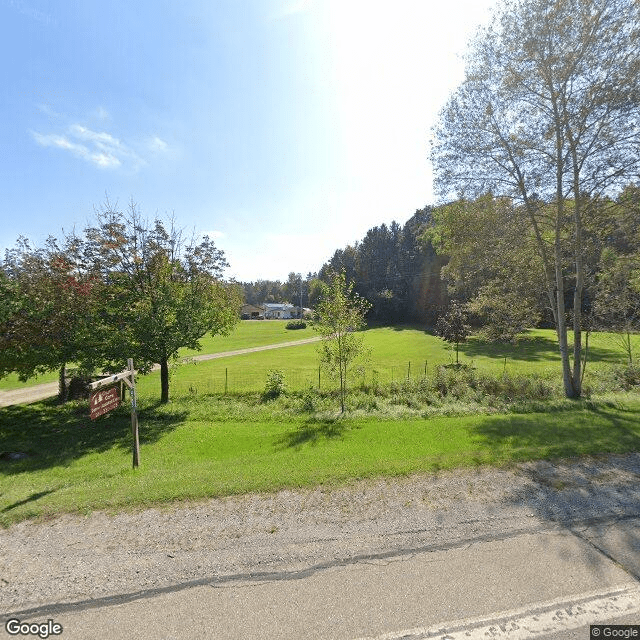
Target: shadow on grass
[(530, 349), (312, 432), (562, 433), (52, 435), (575, 481), (32, 498)]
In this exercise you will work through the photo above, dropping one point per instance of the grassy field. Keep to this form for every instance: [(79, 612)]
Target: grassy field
[(396, 353), (506, 406), (246, 334)]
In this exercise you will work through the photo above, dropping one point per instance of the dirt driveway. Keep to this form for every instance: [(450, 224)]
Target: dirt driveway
[(42, 391)]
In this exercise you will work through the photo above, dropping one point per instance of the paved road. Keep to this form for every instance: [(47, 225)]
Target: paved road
[(550, 583), (49, 389)]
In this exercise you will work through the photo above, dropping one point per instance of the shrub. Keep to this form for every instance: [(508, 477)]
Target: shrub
[(275, 385), (296, 324)]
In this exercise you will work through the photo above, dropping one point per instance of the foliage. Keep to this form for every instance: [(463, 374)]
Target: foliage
[(547, 115), (48, 301), (339, 315), (488, 264), (126, 288), (395, 269), (453, 327), (617, 303), (296, 324), (275, 385), (161, 293)]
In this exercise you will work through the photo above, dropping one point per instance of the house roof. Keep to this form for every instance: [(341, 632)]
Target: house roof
[(277, 306)]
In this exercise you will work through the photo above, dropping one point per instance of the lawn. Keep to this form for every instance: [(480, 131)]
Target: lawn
[(196, 449), (396, 353), (247, 333)]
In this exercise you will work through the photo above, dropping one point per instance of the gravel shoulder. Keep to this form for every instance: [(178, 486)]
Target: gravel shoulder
[(74, 559)]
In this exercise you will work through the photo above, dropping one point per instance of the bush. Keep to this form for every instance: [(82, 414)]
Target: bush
[(275, 385), (297, 324)]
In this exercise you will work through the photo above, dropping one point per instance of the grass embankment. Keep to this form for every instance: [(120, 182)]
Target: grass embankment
[(195, 449)]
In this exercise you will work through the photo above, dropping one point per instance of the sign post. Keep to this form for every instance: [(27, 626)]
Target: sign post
[(134, 415), (102, 402)]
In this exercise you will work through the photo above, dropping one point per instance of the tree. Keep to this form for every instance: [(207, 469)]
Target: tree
[(45, 318), (617, 302), (548, 115), (338, 317), (453, 327), (489, 266), (162, 292)]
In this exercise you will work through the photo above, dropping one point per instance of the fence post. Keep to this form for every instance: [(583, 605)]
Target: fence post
[(226, 380), (409, 371), (425, 368), (318, 378)]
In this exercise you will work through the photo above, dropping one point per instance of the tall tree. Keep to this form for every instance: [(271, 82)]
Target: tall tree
[(338, 316), (490, 265), (548, 114), (162, 292)]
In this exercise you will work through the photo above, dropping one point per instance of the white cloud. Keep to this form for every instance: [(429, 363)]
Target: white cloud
[(100, 159), (157, 145), (97, 147)]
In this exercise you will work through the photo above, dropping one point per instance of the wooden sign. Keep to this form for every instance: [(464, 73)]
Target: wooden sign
[(103, 401), (128, 376)]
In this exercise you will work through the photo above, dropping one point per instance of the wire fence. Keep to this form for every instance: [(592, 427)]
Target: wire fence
[(230, 380)]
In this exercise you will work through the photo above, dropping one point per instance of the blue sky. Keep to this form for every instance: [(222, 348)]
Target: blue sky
[(283, 128)]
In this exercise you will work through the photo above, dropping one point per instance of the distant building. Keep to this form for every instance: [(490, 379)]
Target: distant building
[(251, 312), (279, 311)]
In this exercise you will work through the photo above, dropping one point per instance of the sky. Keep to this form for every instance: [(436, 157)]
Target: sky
[(283, 129)]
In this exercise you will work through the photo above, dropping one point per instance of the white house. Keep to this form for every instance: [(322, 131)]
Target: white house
[(279, 311)]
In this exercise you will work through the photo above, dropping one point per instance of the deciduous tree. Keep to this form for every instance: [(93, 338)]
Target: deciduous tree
[(162, 292), (548, 115), (338, 317)]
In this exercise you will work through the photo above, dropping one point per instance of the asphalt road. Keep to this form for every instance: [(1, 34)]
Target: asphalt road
[(549, 583)]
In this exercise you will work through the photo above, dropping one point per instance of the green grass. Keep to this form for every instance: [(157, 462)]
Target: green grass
[(251, 333), (221, 446), (11, 381), (202, 445), (247, 333), (396, 353)]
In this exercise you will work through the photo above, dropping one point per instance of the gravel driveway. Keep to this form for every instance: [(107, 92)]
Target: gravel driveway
[(49, 389)]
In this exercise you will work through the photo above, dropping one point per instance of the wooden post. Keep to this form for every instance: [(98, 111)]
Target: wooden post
[(226, 380), (409, 371), (134, 415)]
